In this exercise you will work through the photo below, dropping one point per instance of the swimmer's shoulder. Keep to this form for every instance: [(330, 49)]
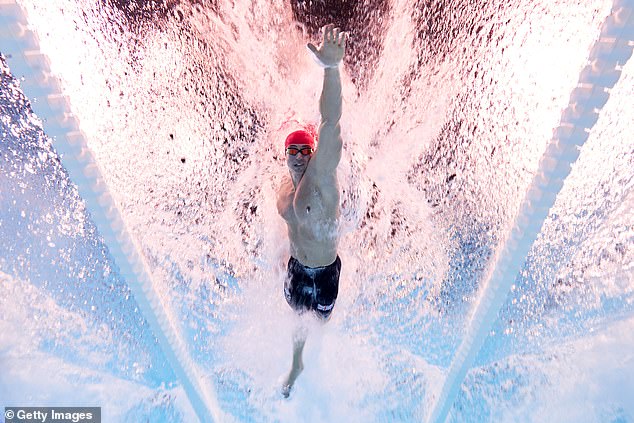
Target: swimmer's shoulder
[(285, 197)]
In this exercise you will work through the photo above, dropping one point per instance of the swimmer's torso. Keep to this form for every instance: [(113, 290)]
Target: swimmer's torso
[(311, 212)]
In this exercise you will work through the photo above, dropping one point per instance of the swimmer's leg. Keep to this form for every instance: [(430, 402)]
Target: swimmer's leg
[(299, 340)]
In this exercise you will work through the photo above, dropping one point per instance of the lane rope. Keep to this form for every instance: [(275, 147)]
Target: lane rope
[(607, 57), (21, 49)]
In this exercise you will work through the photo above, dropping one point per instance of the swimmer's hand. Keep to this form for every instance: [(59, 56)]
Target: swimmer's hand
[(331, 52)]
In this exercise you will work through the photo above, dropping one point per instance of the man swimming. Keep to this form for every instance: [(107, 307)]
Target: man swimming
[(309, 202)]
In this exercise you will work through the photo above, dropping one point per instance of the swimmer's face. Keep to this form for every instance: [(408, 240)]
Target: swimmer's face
[(298, 156)]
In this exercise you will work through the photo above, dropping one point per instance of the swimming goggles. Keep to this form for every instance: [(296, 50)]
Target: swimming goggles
[(304, 150)]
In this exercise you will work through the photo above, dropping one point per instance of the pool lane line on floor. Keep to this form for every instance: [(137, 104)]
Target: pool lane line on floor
[(20, 47), (608, 55)]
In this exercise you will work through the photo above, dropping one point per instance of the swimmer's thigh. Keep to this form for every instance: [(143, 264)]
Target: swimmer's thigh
[(327, 283), (298, 287)]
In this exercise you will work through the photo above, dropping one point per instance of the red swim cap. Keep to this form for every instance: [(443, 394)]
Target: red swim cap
[(300, 137)]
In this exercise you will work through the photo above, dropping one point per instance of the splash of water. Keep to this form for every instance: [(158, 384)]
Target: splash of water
[(447, 110)]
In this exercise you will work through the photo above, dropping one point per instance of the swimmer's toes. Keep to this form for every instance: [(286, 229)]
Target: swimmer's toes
[(286, 391)]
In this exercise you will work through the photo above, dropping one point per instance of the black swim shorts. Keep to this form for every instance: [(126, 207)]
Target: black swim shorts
[(312, 288)]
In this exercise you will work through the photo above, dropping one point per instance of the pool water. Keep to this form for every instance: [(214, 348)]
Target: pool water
[(448, 108)]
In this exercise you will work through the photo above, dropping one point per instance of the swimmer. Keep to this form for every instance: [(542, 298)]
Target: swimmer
[(308, 201)]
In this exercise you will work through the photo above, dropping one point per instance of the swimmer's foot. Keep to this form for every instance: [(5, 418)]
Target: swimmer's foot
[(298, 364), (292, 377), (286, 390)]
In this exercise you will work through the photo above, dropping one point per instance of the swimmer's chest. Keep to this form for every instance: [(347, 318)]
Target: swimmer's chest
[(317, 197), (308, 202), (301, 207)]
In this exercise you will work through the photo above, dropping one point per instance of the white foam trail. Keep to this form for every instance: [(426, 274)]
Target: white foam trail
[(21, 47), (607, 57)]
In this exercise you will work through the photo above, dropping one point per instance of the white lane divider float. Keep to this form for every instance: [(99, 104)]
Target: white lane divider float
[(607, 57), (21, 49)]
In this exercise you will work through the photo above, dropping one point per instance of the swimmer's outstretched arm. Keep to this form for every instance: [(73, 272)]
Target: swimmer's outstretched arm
[(329, 55)]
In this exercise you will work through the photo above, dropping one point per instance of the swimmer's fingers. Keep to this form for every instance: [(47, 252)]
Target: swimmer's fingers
[(330, 53), (335, 36), (342, 39), (333, 33), (328, 33), (312, 48)]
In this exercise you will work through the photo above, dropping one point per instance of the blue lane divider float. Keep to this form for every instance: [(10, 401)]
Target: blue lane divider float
[(21, 49), (607, 57)]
